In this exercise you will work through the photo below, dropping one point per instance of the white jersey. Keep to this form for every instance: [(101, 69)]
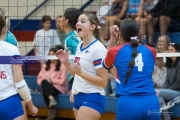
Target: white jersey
[(7, 87), (44, 41), (90, 59)]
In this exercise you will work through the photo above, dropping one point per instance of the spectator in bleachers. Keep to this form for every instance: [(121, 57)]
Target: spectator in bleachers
[(160, 73), (145, 6), (163, 43), (133, 6), (53, 80), (167, 14), (45, 38), (60, 32), (159, 78), (68, 24), (114, 16), (171, 88)]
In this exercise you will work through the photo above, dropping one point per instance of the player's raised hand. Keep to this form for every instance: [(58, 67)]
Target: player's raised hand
[(62, 55), (114, 30)]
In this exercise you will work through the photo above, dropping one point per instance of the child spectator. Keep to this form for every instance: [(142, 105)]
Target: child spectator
[(53, 80), (45, 38)]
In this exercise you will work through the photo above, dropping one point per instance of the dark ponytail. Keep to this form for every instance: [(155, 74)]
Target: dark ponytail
[(129, 29), (134, 44)]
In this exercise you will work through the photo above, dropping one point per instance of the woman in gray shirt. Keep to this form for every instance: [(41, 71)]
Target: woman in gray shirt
[(171, 88)]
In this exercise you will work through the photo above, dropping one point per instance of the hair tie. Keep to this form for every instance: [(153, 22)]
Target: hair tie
[(98, 27), (134, 38)]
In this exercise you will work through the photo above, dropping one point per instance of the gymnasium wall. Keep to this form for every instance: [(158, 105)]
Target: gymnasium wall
[(19, 9)]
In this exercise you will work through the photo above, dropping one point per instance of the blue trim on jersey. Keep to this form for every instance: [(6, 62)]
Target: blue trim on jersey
[(88, 45), (97, 62), (104, 65)]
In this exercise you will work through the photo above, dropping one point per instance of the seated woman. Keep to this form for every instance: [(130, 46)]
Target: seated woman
[(160, 73), (163, 43), (114, 16), (145, 6), (53, 80), (171, 88), (165, 17)]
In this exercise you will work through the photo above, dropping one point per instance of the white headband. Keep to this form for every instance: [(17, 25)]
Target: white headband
[(98, 27), (134, 38)]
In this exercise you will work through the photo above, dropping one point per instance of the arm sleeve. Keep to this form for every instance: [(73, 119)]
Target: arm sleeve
[(62, 79)]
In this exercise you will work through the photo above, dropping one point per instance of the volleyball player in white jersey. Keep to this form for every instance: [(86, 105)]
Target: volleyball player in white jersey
[(12, 86), (89, 75)]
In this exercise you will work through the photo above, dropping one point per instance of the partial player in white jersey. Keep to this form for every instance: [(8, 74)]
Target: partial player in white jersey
[(13, 87), (89, 75)]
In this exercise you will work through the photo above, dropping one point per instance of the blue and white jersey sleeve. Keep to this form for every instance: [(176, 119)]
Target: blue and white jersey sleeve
[(98, 56)]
